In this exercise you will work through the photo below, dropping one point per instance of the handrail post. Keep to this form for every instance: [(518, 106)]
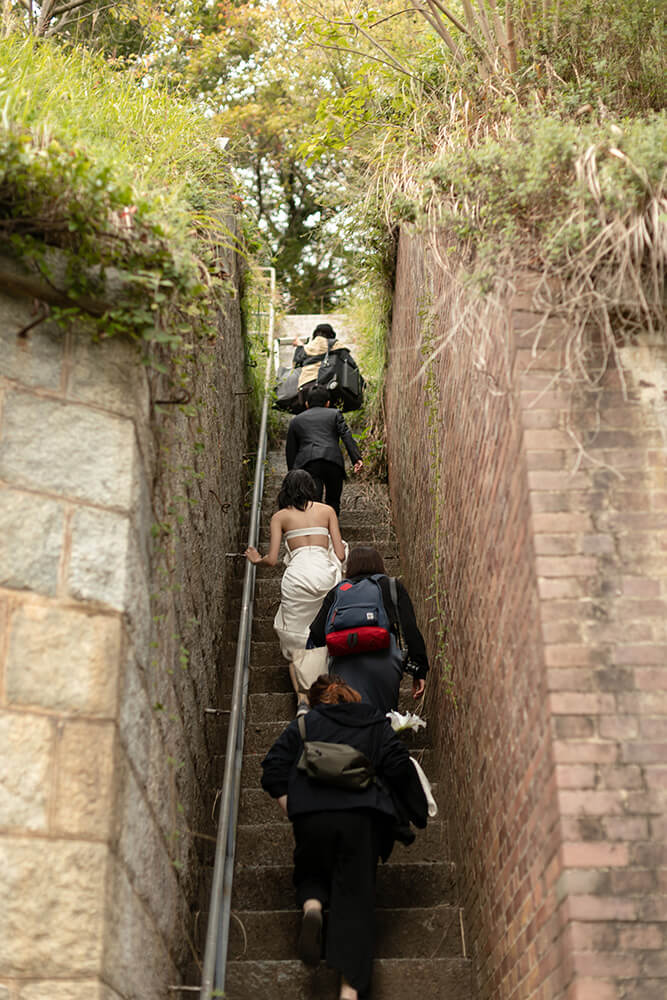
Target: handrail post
[(217, 931)]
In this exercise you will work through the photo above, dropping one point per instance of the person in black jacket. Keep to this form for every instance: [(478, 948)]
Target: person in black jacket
[(377, 676), (340, 833), (313, 444)]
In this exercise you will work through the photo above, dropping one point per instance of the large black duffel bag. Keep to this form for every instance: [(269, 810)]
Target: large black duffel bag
[(340, 375), (287, 390)]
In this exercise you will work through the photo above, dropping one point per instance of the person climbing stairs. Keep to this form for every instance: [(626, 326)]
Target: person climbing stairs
[(419, 948)]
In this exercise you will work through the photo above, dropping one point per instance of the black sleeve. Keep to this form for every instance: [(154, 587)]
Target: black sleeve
[(317, 636), (300, 357), (291, 445), (411, 634), (345, 434), (397, 770), (279, 761)]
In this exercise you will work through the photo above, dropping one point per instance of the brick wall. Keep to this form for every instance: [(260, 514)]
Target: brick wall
[(547, 691), (116, 516)]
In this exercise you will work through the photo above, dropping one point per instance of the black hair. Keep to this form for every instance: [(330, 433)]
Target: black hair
[(297, 490), (364, 560), (324, 330), (318, 396)]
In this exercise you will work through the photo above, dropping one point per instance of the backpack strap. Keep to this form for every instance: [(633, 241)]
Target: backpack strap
[(393, 590)]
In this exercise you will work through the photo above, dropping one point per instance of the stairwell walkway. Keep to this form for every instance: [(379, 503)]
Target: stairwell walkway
[(419, 947)]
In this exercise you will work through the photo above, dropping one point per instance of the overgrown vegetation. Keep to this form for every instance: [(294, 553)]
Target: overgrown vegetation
[(124, 180), (534, 135)]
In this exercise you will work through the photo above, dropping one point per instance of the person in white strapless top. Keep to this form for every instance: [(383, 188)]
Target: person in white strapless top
[(314, 557)]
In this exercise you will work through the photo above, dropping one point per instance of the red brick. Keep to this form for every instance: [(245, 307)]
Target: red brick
[(618, 727), (546, 460), (645, 655), (601, 908), (645, 753), (590, 803), (540, 418), (559, 544), (621, 776), (559, 481), (656, 777), (584, 751), (641, 938), (570, 655), (565, 566), (566, 522), (625, 827), (605, 964), (579, 703), (543, 440), (569, 679), (593, 989), (575, 776), (653, 728), (558, 588), (639, 586), (596, 854)]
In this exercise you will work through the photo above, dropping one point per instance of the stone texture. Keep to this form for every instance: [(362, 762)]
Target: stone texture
[(121, 385), (36, 358), (142, 849), (52, 911), (135, 715), (136, 962), (71, 450), (84, 779), (31, 541), (26, 751), (81, 989), (99, 567), (63, 659)]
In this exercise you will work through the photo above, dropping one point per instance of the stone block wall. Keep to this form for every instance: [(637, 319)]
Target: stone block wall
[(117, 512), (547, 565)]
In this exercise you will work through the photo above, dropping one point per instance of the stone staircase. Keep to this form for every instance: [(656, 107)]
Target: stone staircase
[(419, 949)]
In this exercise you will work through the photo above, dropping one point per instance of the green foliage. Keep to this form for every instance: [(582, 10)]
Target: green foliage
[(123, 180), (526, 188)]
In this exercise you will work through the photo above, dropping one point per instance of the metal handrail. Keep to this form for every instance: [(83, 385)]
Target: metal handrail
[(217, 931)]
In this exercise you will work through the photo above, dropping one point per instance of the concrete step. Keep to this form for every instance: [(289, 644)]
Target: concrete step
[(269, 707), (401, 933), (393, 979), (270, 841), (425, 884)]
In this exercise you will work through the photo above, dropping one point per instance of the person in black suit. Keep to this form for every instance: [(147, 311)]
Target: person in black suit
[(313, 444)]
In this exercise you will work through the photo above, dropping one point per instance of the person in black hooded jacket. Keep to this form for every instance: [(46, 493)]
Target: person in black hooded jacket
[(340, 833)]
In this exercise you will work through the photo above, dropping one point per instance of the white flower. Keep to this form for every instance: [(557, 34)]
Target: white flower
[(399, 723)]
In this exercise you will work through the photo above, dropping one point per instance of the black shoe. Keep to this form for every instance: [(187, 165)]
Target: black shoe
[(310, 939)]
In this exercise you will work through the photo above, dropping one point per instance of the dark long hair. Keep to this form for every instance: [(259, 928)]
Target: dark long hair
[(297, 490), (364, 560)]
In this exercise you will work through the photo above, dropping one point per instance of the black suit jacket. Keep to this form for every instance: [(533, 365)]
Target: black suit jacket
[(314, 434)]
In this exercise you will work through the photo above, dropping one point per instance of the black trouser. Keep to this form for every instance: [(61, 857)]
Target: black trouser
[(335, 861), (329, 476)]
